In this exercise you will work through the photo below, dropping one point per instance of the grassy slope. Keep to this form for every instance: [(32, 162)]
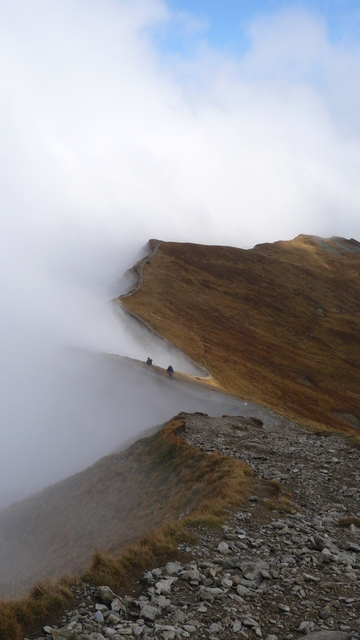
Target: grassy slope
[(112, 503), (278, 324), (158, 481)]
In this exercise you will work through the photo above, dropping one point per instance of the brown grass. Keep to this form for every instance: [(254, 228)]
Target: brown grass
[(280, 500), (43, 600), (277, 324), (9, 626), (108, 506), (188, 488), (212, 484), (348, 520), (115, 570)]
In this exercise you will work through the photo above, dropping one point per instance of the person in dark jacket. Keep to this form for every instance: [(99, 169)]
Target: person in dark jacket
[(149, 362), (170, 370)]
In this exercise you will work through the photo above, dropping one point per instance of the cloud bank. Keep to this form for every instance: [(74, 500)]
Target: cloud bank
[(102, 133), (107, 141)]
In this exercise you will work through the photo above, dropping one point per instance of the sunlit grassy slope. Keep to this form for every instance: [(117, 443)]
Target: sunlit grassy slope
[(277, 324)]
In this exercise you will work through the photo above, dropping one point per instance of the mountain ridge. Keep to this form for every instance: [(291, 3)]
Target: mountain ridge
[(277, 325), (285, 326)]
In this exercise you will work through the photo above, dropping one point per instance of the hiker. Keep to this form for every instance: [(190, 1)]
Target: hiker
[(170, 370), (149, 362)]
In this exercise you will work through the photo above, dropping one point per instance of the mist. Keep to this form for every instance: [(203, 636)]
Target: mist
[(107, 141)]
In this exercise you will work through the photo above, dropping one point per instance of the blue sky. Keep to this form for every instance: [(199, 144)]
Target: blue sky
[(225, 24)]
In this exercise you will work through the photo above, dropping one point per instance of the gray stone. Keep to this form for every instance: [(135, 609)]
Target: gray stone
[(112, 619), (351, 546), (99, 618), (149, 613), (162, 602), (309, 578), (163, 587), (117, 605), (106, 595), (69, 632), (147, 578), (328, 635), (319, 543), (325, 613), (306, 626), (191, 574), (173, 568), (179, 616), (252, 572), (226, 583), (249, 622)]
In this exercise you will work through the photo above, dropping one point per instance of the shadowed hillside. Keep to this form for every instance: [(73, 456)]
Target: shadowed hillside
[(277, 324), (112, 503)]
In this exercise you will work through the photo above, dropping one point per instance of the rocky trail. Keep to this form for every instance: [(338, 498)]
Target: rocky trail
[(264, 574)]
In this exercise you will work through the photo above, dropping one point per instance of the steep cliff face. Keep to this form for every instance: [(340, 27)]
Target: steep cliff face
[(277, 324)]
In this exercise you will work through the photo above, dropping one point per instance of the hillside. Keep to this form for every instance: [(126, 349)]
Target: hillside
[(109, 505), (260, 511), (277, 324)]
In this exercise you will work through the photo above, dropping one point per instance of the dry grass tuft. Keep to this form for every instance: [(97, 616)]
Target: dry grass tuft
[(349, 520), (9, 626), (275, 486), (280, 500), (43, 600), (114, 570)]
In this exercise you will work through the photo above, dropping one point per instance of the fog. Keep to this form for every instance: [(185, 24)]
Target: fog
[(107, 141), (88, 404)]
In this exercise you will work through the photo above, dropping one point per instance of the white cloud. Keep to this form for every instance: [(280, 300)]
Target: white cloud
[(99, 129)]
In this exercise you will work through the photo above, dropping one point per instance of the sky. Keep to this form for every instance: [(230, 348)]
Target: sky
[(227, 25), (223, 123)]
